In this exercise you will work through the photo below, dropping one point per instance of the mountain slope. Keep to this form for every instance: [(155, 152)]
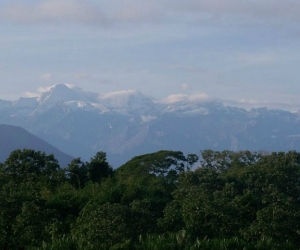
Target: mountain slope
[(12, 138)]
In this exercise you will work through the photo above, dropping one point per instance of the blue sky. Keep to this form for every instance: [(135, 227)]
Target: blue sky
[(244, 53)]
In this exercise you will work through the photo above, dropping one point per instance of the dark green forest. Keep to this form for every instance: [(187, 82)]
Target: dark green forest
[(164, 200)]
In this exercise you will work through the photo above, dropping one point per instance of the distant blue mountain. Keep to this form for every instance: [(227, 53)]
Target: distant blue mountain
[(12, 138), (128, 123)]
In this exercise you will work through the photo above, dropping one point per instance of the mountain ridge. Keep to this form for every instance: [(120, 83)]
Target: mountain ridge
[(127, 123)]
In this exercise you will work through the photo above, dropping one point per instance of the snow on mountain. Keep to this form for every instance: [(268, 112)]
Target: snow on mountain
[(58, 93), (127, 123), (86, 106), (128, 102), (197, 104), (123, 102), (184, 108)]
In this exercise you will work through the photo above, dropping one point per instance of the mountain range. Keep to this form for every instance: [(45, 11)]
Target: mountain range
[(128, 123)]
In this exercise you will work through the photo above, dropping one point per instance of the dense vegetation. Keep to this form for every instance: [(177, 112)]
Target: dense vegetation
[(164, 200)]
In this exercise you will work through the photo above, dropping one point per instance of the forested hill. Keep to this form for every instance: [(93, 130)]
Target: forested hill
[(13, 137), (231, 200)]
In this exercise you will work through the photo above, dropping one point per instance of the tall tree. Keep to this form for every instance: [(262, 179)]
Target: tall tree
[(77, 172), (32, 166), (98, 168)]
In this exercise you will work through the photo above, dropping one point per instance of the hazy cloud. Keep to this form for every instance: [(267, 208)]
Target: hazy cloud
[(49, 11), (254, 10), (227, 48), (46, 76), (190, 69), (30, 94), (83, 12), (93, 78), (258, 58), (129, 11), (136, 12), (184, 86), (252, 103), (39, 91), (201, 97), (123, 93), (44, 89)]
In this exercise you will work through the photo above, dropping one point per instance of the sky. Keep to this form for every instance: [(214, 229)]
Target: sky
[(242, 52)]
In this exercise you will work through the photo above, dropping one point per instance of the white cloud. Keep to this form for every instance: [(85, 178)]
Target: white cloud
[(120, 93), (46, 76), (252, 103), (70, 85), (242, 103), (30, 94), (40, 91), (201, 97), (48, 88), (44, 89), (184, 86)]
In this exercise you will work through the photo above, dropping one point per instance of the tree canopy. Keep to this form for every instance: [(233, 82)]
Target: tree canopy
[(163, 200)]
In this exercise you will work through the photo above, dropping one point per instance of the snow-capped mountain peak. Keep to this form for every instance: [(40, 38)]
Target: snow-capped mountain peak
[(127, 123), (58, 93), (127, 101)]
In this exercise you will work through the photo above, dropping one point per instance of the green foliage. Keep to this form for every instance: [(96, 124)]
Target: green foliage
[(225, 160), (32, 166), (103, 225), (77, 172), (98, 168), (234, 200), (32, 224), (62, 243), (160, 163)]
